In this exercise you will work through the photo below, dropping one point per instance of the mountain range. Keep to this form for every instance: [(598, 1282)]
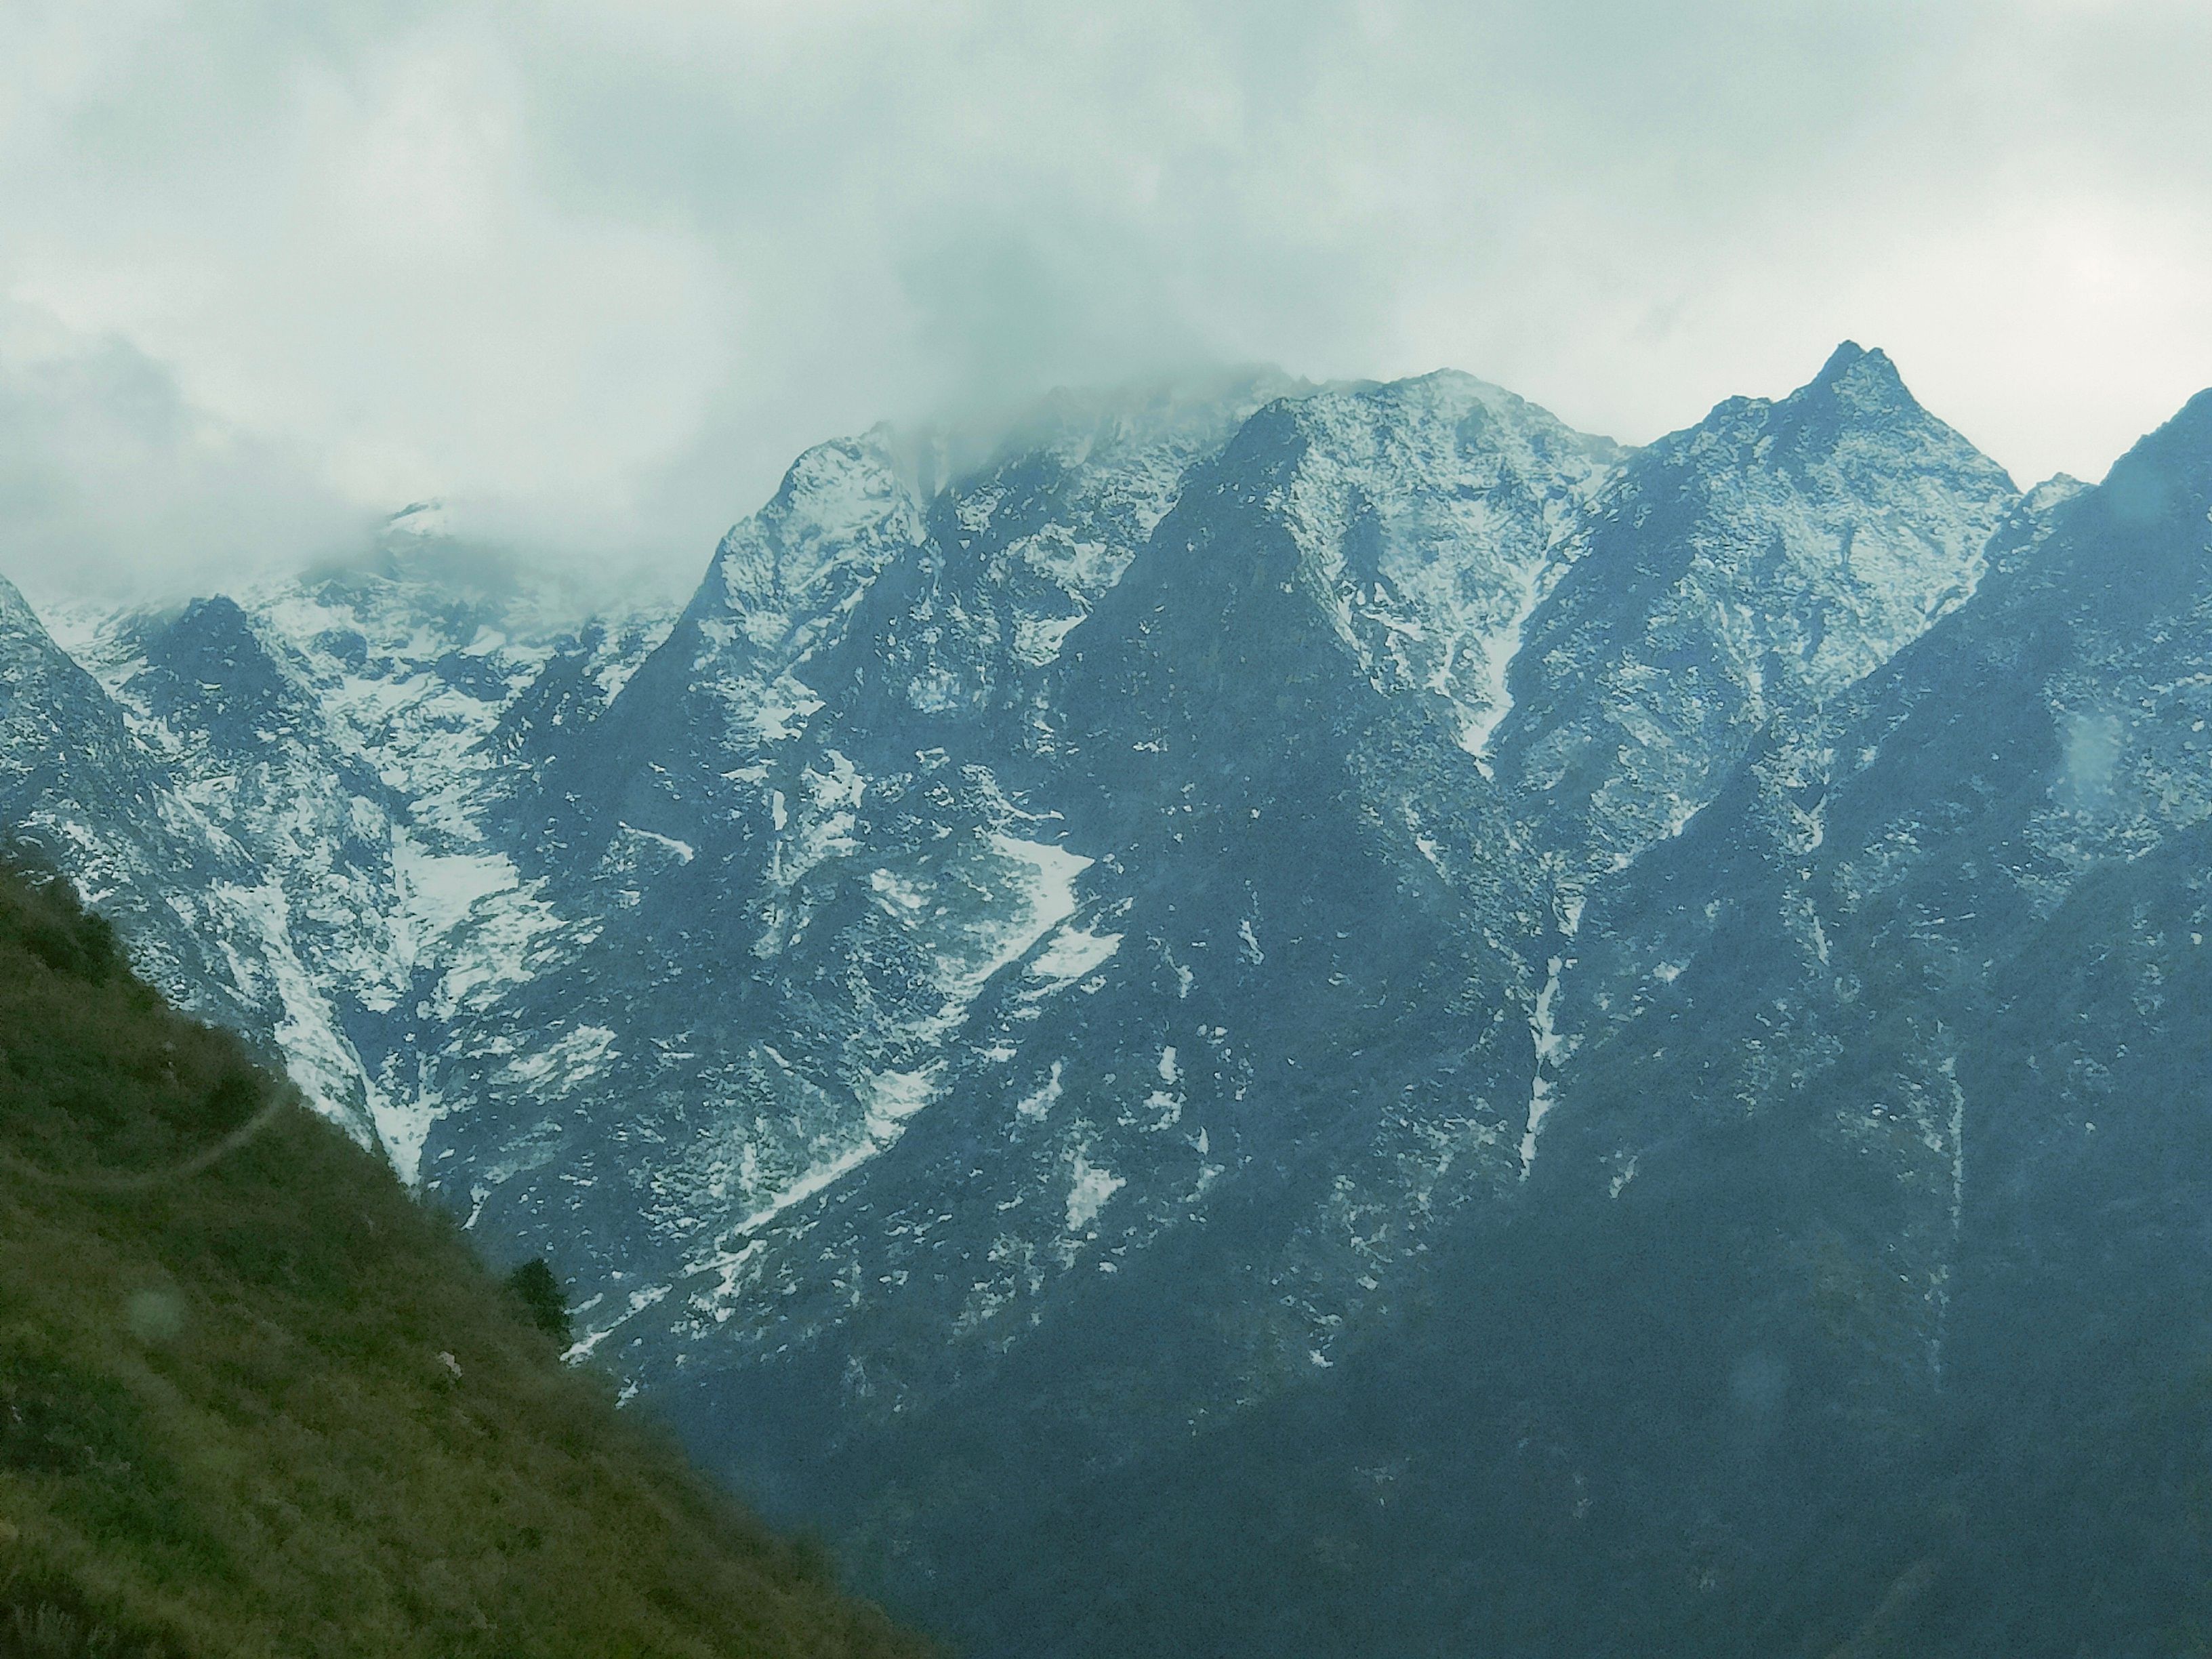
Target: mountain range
[(1279, 1018)]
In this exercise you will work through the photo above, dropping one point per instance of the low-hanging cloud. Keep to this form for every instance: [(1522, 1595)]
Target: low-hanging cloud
[(594, 273), (106, 473)]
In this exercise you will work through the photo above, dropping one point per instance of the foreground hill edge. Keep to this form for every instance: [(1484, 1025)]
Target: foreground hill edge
[(265, 1402)]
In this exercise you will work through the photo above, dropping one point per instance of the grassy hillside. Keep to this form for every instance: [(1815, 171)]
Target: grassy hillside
[(256, 1401)]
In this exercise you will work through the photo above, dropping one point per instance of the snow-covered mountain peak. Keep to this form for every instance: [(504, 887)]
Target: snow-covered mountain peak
[(1081, 479), (1854, 418), (1076, 426), (1009, 559), (1864, 377), (1762, 561), (842, 512), (1424, 513)]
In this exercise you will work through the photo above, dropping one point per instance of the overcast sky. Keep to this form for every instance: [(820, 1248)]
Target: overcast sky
[(595, 272)]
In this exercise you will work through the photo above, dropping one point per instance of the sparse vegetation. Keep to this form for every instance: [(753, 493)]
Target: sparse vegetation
[(263, 1403)]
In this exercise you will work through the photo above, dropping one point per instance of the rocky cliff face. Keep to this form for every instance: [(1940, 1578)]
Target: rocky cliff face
[(1343, 1015)]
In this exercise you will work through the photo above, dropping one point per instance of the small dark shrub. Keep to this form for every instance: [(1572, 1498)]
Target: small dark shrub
[(533, 1284)]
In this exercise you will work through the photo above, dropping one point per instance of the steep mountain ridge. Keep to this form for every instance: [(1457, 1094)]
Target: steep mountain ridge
[(1132, 1080), (818, 802)]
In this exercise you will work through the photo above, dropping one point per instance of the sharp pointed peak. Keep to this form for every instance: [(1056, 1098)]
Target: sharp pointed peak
[(1857, 394), (871, 456), (1855, 380), (1847, 355), (1863, 374)]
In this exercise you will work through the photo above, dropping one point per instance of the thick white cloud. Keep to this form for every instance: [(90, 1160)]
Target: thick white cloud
[(110, 481), (595, 272)]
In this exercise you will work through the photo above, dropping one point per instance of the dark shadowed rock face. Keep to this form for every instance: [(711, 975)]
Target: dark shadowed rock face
[(1340, 1021)]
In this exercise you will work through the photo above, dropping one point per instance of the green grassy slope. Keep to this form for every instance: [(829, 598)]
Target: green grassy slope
[(256, 1401)]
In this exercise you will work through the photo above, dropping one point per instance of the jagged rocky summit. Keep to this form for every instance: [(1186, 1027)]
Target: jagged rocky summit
[(1284, 1017)]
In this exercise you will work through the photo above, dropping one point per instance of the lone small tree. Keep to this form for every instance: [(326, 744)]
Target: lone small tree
[(539, 1292)]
